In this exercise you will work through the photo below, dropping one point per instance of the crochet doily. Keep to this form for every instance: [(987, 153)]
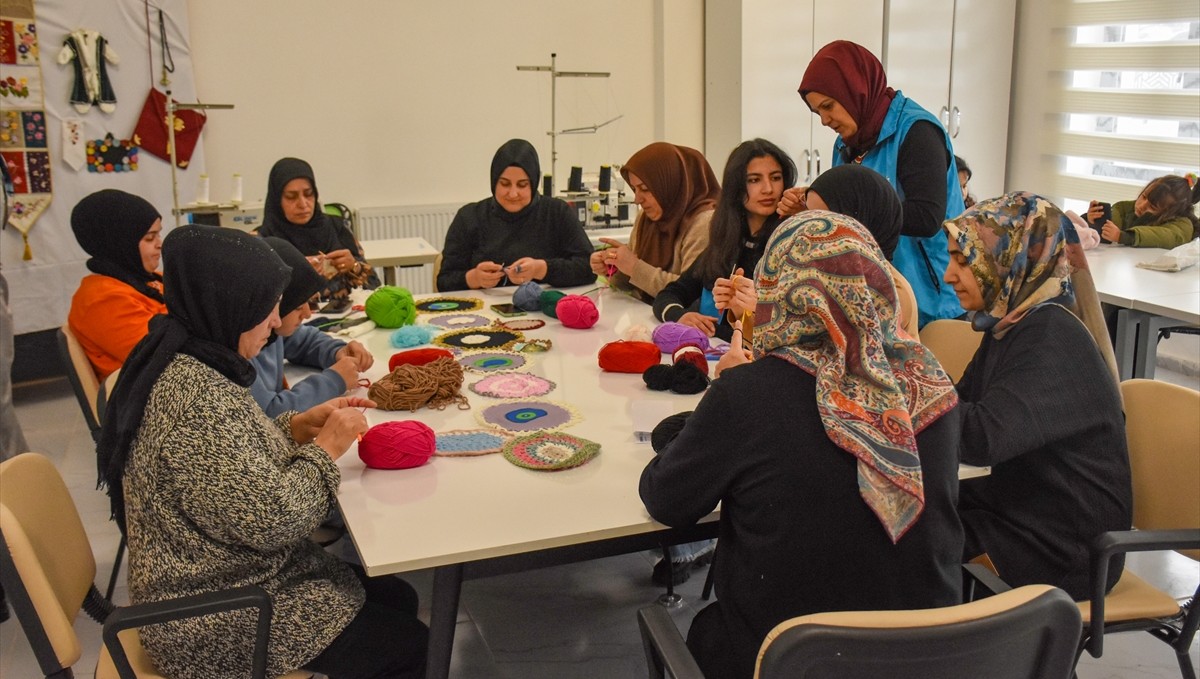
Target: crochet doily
[(490, 337), (470, 442), (452, 321), (512, 385), (528, 415), (441, 305), (550, 451), (492, 361), (522, 324)]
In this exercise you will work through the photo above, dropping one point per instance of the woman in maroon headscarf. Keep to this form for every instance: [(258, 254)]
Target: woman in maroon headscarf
[(886, 131), (677, 191)]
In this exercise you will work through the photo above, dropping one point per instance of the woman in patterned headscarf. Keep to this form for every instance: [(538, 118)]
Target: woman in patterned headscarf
[(831, 455), (677, 191), (1040, 402)]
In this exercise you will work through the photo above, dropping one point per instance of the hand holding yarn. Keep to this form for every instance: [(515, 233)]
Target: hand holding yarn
[(342, 427), (308, 425), (363, 360), (736, 293), (485, 275), (620, 255), (736, 355), (342, 260), (346, 368), (525, 270)]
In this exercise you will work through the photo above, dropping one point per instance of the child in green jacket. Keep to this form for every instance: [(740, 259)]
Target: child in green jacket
[(1161, 217)]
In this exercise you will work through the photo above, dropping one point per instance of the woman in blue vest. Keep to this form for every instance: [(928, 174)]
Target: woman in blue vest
[(886, 131)]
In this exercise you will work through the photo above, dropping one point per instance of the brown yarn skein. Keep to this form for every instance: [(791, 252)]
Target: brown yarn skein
[(436, 384)]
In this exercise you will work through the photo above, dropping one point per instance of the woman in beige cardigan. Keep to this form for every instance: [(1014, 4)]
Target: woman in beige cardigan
[(677, 192)]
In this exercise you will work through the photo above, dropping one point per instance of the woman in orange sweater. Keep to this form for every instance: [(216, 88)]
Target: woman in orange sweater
[(112, 308)]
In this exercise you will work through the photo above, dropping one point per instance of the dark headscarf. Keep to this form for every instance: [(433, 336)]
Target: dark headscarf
[(865, 195), (304, 282), (109, 225), (684, 185), (219, 284), (516, 153), (320, 234), (853, 76)]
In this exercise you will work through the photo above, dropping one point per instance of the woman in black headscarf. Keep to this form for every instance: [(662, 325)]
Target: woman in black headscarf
[(293, 212), (112, 307), (215, 495), (516, 235)]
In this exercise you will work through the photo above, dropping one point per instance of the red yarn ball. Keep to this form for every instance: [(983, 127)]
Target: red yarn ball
[(628, 357), (692, 355), (417, 357), (397, 445), (577, 311)]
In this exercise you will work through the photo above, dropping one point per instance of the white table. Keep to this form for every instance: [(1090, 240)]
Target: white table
[(395, 252), (475, 516), (618, 234), (1148, 300)]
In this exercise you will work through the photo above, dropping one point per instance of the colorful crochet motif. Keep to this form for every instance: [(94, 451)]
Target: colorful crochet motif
[(528, 415), (478, 338), (459, 321), (522, 324), (550, 451), (512, 385), (442, 305), (492, 361), (470, 442)]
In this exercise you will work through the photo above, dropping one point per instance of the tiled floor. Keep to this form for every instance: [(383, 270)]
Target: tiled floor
[(563, 622)]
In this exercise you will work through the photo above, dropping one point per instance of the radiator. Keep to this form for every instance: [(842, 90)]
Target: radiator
[(408, 221)]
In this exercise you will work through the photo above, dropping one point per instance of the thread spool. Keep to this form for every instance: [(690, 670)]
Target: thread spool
[(577, 311), (575, 183), (397, 445), (671, 336), (605, 178), (391, 307), (236, 195), (628, 357), (547, 185), (202, 189)]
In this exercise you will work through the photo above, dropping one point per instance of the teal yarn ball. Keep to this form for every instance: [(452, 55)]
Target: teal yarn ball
[(549, 301), (391, 307)]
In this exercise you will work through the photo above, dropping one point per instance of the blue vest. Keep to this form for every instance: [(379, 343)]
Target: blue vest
[(922, 261)]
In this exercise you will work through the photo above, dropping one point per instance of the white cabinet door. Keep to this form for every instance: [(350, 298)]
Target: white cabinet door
[(919, 52)]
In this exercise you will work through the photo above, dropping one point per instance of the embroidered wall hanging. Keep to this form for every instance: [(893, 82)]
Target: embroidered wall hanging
[(24, 152), (550, 451), (478, 338), (441, 305), (526, 416), (492, 361), (512, 385), (470, 442), (453, 321), (110, 155)]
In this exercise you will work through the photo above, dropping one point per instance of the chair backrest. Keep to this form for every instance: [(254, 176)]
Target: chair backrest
[(1026, 633), (437, 268), (343, 211), (104, 397), (81, 375), (953, 342), (908, 303), (1162, 426), (50, 554)]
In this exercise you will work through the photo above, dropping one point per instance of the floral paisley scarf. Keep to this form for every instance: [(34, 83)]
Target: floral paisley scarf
[(827, 305)]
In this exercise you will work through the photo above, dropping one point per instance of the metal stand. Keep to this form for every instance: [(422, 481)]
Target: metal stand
[(172, 107), (555, 74)]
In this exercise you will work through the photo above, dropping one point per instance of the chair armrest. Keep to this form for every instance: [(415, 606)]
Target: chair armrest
[(1109, 544), (980, 574), (140, 615), (664, 645)]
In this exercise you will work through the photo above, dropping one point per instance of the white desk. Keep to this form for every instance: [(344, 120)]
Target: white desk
[(474, 516), (618, 234), (393, 252), (1147, 299)]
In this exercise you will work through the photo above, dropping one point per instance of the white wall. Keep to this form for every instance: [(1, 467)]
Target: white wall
[(406, 102)]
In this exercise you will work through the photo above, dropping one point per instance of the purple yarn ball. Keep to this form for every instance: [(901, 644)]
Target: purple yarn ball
[(670, 336)]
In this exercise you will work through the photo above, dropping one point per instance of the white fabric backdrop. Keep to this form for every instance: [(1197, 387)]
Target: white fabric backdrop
[(41, 288)]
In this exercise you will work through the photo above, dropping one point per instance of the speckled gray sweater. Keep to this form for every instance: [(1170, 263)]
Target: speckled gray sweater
[(219, 496)]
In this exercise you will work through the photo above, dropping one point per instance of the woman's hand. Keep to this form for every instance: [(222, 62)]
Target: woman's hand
[(736, 355), (347, 369), (363, 359), (342, 260), (706, 324), (1095, 211), (526, 269), (792, 201), (735, 294), (619, 255), (342, 427), (1110, 232), (485, 275), (599, 262), (307, 425)]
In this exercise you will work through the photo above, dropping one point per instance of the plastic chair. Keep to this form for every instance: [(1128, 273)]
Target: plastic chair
[(953, 343), (437, 268), (83, 378), (341, 210), (47, 568), (1025, 633), (908, 302), (1164, 457)]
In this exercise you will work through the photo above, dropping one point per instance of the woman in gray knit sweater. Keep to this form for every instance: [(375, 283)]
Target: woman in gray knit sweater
[(214, 494)]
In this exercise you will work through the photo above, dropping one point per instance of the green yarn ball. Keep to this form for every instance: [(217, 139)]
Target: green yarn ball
[(391, 307), (549, 300)]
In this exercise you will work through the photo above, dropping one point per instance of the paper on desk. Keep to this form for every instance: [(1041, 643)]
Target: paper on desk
[(647, 413), (1176, 259)]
